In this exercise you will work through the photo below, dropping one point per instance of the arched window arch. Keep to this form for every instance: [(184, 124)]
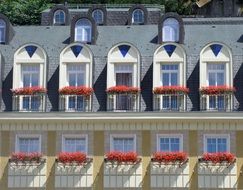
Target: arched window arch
[(123, 73), (2, 31), (171, 30), (83, 30), (59, 17), (98, 16), (138, 16), (169, 71), (216, 73)]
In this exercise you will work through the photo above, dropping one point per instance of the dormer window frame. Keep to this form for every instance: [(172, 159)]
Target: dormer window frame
[(83, 29), (137, 15), (2, 34), (98, 21), (171, 30), (59, 11)]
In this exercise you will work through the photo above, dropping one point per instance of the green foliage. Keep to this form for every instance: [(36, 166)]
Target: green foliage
[(23, 12)]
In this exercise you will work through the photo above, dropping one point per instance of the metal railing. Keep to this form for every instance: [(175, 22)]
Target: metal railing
[(169, 102), (29, 103), (122, 102), (222, 102), (74, 103)]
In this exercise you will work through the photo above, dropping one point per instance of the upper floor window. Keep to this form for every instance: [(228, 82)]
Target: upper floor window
[(216, 143), (123, 74), (169, 143), (123, 143), (28, 144), (216, 74), (138, 16), (98, 16), (171, 30), (76, 74), (83, 30), (2, 31), (30, 75), (169, 74), (59, 17), (74, 143)]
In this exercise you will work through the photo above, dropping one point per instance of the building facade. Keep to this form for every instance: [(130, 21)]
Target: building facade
[(152, 100)]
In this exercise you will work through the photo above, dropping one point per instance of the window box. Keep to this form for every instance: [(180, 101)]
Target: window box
[(73, 158), (123, 98), (29, 99), (218, 158), (75, 98), (21, 158), (217, 98), (169, 158), (118, 157)]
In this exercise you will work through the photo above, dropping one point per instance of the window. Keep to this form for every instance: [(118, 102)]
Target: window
[(138, 16), (98, 16), (216, 74), (30, 75), (123, 74), (59, 17), (170, 143), (169, 75), (74, 143), (171, 30), (2, 31), (28, 144), (216, 143), (83, 30), (123, 143), (76, 74)]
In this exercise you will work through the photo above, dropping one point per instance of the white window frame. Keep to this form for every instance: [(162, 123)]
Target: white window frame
[(18, 136), (81, 136), (180, 136), (32, 72), (174, 26), (125, 71), (140, 11), (206, 136), (76, 72), (102, 16), (58, 12), (82, 28), (216, 71), (170, 72), (112, 136), (3, 25)]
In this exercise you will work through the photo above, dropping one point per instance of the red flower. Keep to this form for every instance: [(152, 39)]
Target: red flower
[(22, 157), (76, 90), (219, 157), (122, 90), (167, 157), (171, 90), (215, 90), (29, 90), (116, 156), (70, 157)]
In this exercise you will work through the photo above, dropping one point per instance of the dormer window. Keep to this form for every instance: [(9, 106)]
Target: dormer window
[(171, 30), (83, 30), (2, 31), (98, 16), (138, 16), (59, 17)]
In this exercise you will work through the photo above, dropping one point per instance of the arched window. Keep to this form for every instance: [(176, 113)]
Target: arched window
[(171, 30), (83, 30), (98, 16), (59, 17), (2, 31), (138, 16)]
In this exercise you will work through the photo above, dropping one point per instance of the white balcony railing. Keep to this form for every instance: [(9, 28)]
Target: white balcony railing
[(169, 102), (35, 103), (75, 103)]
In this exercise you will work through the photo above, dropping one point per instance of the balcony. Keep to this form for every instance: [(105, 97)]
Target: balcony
[(170, 98), (123, 98), (216, 98), (75, 99)]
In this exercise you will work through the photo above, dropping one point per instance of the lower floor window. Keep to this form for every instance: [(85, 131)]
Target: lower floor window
[(28, 144), (217, 102), (215, 144), (31, 103), (170, 102), (74, 144), (76, 103), (123, 144), (169, 143)]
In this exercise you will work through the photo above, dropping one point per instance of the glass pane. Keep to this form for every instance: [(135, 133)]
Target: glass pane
[(35, 79), (124, 79), (26, 103), (35, 103), (174, 77), (166, 79), (212, 79), (72, 79), (80, 79), (211, 145), (29, 145), (75, 144), (220, 79), (222, 145), (174, 102), (212, 102), (221, 102), (71, 102), (166, 102), (80, 103), (123, 144), (164, 144), (175, 144)]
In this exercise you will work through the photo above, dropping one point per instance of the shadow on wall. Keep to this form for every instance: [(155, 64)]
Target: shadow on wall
[(52, 90), (146, 89), (238, 80), (6, 91), (193, 85), (100, 90)]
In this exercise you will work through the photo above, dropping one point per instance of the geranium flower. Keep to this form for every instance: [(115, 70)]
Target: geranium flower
[(76, 90), (216, 90), (123, 90), (29, 90), (219, 157), (167, 157), (119, 157), (72, 157), (171, 90)]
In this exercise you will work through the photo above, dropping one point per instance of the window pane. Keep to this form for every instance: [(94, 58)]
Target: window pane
[(28, 145), (174, 102), (35, 103), (138, 16), (221, 102), (169, 75), (166, 79), (175, 144), (222, 145), (30, 75), (166, 102), (83, 30), (71, 102), (171, 30), (76, 74), (26, 103), (174, 79), (211, 145), (212, 102), (124, 79), (2, 30), (123, 144), (164, 144), (75, 144), (80, 103), (98, 16)]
